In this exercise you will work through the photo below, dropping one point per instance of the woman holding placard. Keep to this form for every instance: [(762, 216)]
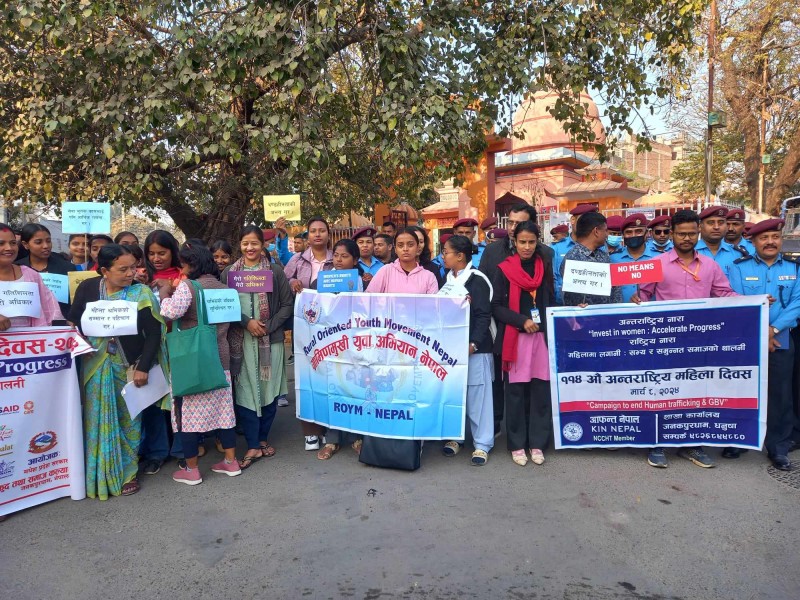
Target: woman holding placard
[(523, 290), (36, 240), (196, 414), (256, 343), (125, 350), (9, 272), (302, 271), (345, 257)]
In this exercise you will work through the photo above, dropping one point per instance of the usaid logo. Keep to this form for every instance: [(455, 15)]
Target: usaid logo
[(9, 409)]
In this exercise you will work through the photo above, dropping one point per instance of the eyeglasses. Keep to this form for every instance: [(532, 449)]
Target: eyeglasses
[(686, 234), (512, 222), (661, 231)]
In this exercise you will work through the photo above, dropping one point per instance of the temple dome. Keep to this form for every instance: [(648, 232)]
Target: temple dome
[(541, 131)]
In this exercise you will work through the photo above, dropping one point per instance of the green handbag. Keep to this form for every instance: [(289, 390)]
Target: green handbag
[(193, 354)]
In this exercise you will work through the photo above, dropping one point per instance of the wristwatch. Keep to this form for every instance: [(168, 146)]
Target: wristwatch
[(775, 330), (474, 347)]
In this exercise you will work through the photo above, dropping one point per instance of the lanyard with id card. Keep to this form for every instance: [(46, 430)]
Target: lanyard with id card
[(535, 316)]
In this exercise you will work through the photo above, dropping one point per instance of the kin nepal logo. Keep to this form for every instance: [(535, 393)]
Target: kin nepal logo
[(5, 432)]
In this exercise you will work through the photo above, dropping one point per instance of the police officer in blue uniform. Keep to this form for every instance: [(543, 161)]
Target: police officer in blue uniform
[(713, 227), (614, 239), (466, 227), (439, 260), (496, 235), (634, 233), (487, 225), (734, 235), (559, 232), (561, 248), (365, 239), (769, 272), (660, 235)]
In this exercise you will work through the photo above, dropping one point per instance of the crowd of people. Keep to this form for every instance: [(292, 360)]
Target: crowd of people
[(512, 279)]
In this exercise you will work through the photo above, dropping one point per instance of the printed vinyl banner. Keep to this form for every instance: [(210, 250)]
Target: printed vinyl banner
[(41, 436), (678, 373), (393, 366)]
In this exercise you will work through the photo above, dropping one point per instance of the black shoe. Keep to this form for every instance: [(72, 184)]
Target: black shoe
[(151, 467), (182, 463), (781, 462), (794, 446), (733, 452)]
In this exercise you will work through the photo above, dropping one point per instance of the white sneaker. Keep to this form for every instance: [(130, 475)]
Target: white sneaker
[(312, 442), (283, 401)]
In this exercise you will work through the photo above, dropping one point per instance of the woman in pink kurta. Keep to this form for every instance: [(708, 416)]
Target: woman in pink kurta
[(405, 275), (11, 272)]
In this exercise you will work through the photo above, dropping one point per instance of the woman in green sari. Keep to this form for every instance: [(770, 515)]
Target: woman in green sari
[(111, 436), (257, 352)]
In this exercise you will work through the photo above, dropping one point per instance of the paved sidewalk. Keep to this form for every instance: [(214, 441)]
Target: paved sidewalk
[(591, 525)]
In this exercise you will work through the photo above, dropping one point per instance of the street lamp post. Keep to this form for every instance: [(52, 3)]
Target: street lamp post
[(762, 167), (712, 30)]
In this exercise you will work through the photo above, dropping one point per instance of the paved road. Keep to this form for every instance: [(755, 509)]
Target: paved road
[(594, 525)]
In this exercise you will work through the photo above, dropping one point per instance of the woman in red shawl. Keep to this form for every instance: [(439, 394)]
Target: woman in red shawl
[(523, 290)]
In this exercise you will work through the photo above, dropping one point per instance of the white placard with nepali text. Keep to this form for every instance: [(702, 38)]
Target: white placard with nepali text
[(110, 318), (222, 306), (20, 299), (583, 277), (86, 217)]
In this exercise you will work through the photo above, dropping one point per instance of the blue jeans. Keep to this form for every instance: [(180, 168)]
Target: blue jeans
[(155, 441), (255, 428)]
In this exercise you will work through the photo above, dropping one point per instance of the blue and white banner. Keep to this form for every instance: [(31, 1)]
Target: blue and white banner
[(393, 366), (678, 373)]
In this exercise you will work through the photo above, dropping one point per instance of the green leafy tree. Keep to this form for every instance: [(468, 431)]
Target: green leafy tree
[(758, 68), (200, 107)]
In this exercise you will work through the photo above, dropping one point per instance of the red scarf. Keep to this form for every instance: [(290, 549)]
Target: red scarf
[(172, 274), (518, 280)]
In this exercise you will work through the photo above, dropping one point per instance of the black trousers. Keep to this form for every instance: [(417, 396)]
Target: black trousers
[(498, 393), (780, 402), (529, 419), (796, 391)]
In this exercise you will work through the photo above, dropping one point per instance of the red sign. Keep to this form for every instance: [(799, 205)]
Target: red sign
[(646, 271)]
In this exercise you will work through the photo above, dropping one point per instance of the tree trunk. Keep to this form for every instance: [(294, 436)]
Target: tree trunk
[(227, 216), (746, 122), (232, 200)]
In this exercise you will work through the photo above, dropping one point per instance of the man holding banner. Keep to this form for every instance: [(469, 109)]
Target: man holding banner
[(769, 272), (591, 232), (687, 275)]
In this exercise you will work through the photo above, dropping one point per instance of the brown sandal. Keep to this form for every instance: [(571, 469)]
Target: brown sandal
[(267, 451), (357, 446), (130, 488), (248, 461), (327, 451)]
